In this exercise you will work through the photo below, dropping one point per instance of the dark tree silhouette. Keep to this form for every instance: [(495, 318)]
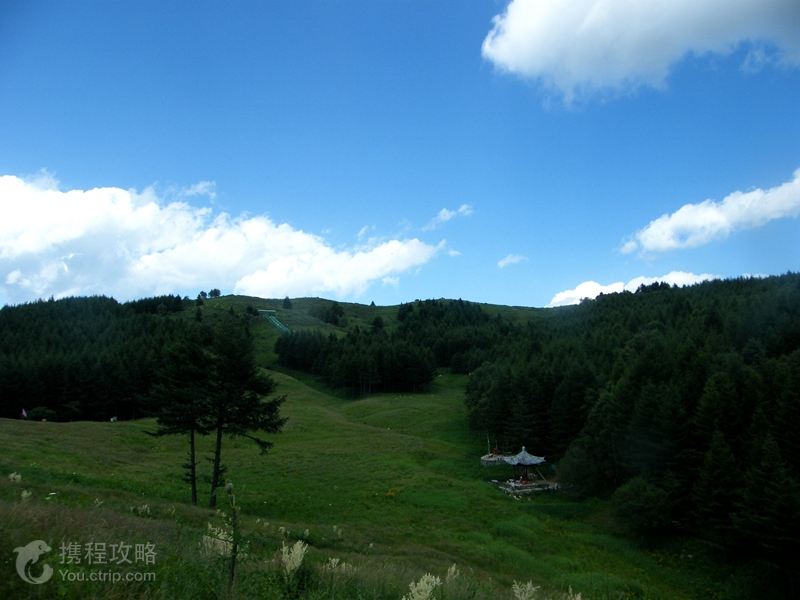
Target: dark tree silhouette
[(184, 393), (238, 404)]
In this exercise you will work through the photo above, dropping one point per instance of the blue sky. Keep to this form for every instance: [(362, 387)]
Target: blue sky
[(307, 148)]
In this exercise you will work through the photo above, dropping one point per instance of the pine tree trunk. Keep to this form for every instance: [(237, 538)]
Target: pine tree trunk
[(215, 470)]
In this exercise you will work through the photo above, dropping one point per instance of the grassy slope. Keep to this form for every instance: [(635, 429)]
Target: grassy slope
[(398, 473), (301, 317)]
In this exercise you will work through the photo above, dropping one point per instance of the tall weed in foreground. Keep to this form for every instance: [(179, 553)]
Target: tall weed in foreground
[(528, 591), (424, 588), (291, 559), (336, 574), (226, 542), (524, 591), (236, 536)]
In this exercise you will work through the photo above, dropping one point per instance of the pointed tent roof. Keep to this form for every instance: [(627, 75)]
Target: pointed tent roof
[(524, 459)]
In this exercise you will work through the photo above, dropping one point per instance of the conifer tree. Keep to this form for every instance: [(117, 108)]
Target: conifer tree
[(183, 391), (238, 404), (714, 493), (769, 512)]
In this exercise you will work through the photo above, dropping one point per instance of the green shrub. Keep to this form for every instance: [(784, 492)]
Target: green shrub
[(642, 506)]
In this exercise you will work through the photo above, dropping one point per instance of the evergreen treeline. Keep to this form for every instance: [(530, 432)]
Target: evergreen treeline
[(460, 334), (360, 362), (429, 334), (684, 402), (84, 358)]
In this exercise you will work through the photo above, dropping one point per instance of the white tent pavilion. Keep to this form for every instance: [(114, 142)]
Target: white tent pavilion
[(523, 461)]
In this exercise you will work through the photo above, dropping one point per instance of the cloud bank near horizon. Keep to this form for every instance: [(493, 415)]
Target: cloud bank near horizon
[(592, 289), (128, 244), (577, 47)]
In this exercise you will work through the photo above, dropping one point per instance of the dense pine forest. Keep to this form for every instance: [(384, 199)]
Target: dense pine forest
[(400, 356), (683, 403), (84, 358)]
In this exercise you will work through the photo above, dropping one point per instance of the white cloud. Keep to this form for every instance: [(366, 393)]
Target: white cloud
[(201, 188), (511, 259), (452, 252), (446, 215), (698, 224), (577, 46), (129, 243), (321, 269), (592, 289), (587, 289), (364, 231)]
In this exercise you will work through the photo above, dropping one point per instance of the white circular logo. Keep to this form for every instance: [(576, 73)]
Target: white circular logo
[(27, 556)]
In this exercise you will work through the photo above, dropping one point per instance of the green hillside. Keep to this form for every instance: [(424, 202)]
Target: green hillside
[(389, 483), (302, 316)]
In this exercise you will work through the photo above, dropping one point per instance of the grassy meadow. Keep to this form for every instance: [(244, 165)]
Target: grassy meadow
[(390, 484)]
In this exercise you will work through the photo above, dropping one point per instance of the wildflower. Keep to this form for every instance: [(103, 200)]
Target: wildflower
[(15, 477), (524, 591), (306, 533), (26, 494), (335, 566), (292, 557), (452, 573), (98, 503), (217, 540), (423, 589), (572, 596), (142, 510)]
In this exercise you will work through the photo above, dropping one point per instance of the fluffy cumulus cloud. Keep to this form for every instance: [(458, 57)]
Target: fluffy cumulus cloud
[(592, 289), (129, 243), (446, 214), (511, 259), (587, 45), (698, 224)]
